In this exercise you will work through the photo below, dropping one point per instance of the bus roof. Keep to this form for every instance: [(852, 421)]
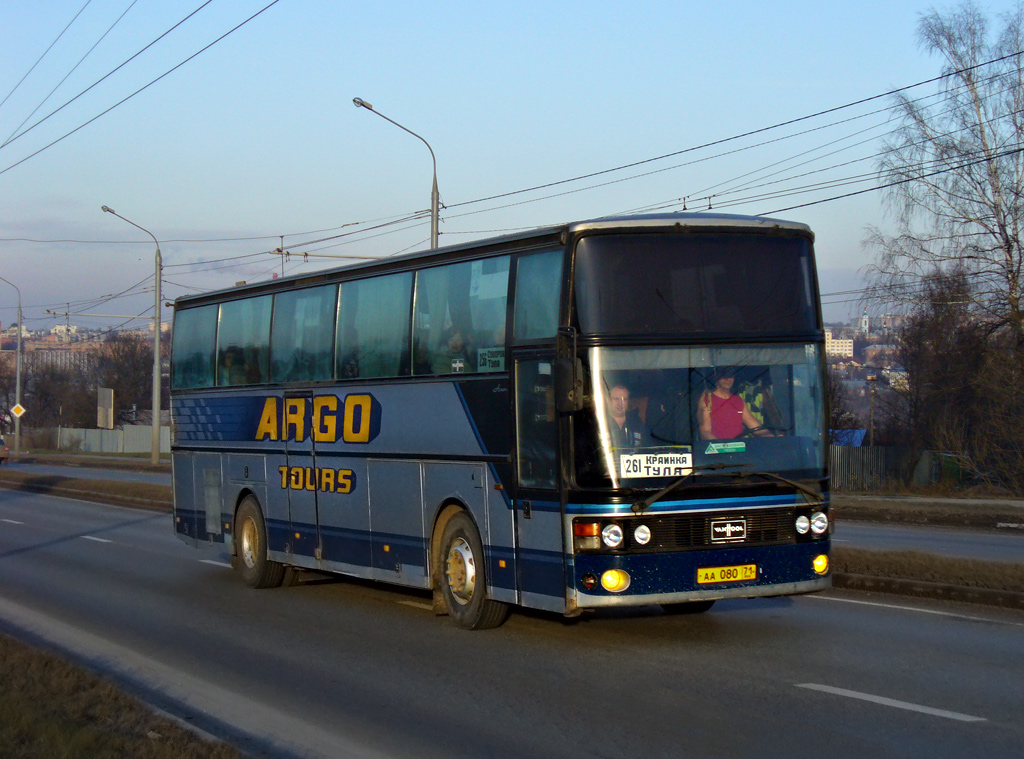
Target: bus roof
[(541, 236)]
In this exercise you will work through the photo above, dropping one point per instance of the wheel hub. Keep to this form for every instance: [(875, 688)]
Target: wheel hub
[(460, 569), (249, 542)]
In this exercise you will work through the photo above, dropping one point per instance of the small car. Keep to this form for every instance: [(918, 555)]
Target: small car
[(4, 450)]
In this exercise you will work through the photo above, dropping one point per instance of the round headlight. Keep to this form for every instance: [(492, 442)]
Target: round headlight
[(803, 524), (612, 535), (819, 523), (642, 535), (615, 580), (820, 564)]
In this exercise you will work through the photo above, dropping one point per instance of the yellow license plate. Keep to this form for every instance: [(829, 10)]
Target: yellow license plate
[(726, 574)]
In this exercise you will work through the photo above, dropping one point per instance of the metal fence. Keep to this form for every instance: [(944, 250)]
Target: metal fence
[(874, 467), (130, 439)]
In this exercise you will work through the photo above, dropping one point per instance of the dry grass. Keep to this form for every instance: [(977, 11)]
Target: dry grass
[(984, 515), (50, 709), (922, 567), (107, 491)]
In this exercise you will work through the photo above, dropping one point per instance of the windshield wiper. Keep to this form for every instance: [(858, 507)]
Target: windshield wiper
[(643, 503), (811, 495), (806, 492)]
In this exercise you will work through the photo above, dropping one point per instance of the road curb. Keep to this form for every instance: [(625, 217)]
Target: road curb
[(934, 590), (61, 491)]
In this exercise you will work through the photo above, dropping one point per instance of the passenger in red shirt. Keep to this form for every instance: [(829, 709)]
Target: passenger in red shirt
[(724, 416)]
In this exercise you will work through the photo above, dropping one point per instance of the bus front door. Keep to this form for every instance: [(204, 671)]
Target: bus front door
[(301, 479), (540, 556)]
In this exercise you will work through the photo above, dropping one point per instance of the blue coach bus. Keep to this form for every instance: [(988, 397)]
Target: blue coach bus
[(619, 412)]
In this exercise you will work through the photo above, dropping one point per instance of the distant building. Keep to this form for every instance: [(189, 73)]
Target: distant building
[(879, 355), (65, 332), (836, 346)]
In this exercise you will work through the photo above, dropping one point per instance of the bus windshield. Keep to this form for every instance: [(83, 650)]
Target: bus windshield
[(658, 413), (702, 283)]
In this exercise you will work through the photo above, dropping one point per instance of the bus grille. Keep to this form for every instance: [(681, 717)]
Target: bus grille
[(679, 532)]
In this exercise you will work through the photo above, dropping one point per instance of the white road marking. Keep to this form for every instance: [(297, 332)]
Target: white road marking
[(914, 608), (97, 540), (11, 521), (891, 702), (215, 563)]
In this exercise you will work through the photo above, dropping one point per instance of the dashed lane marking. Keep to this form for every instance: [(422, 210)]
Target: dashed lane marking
[(96, 540), (215, 563), (11, 521), (914, 608), (882, 700)]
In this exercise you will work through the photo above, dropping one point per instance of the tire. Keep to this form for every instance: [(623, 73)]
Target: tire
[(251, 548), (463, 577), (693, 607)]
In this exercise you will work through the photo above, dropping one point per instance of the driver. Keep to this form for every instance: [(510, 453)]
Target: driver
[(722, 415)]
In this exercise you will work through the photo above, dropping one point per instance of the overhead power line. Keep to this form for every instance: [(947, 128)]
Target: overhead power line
[(141, 89), (45, 52)]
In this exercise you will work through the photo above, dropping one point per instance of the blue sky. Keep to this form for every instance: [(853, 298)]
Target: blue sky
[(257, 136)]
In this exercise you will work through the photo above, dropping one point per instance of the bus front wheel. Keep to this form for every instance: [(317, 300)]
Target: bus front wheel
[(464, 578), (251, 548)]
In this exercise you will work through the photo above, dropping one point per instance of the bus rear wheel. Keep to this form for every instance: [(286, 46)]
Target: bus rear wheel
[(251, 548), (463, 577)]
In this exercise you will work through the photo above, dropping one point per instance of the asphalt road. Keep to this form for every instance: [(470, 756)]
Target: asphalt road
[(988, 545), (334, 668)]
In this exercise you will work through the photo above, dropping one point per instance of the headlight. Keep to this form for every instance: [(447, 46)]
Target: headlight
[(615, 580), (642, 535), (612, 535), (803, 525), (819, 523)]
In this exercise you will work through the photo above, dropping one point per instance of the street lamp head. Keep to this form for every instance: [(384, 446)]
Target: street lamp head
[(108, 209), (360, 103)]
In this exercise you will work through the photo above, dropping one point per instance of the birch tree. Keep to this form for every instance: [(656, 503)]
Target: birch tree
[(954, 170)]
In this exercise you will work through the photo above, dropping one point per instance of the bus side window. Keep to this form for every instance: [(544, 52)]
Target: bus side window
[(193, 347), (460, 317), (245, 331), (373, 341), (302, 339), (538, 290)]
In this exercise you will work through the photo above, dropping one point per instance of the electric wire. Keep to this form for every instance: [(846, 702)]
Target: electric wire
[(141, 89), (73, 69), (45, 52)]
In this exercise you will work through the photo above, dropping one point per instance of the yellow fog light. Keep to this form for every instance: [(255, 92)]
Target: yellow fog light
[(615, 580), (821, 564)]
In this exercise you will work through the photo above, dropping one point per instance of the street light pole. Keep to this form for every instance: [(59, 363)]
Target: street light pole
[(155, 455), (435, 201), (17, 382)]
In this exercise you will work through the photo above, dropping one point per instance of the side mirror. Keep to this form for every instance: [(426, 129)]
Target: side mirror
[(568, 385)]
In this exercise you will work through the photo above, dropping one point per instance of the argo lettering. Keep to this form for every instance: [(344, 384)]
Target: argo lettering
[(324, 418)]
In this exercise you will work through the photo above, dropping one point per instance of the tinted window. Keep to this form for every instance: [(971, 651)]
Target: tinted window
[(373, 327), (695, 283), (243, 341), (460, 318), (195, 334), (538, 288), (302, 341)]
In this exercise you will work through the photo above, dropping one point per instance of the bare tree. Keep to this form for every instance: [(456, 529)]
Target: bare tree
[(840, 414), (955, 170), (126, 366)]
